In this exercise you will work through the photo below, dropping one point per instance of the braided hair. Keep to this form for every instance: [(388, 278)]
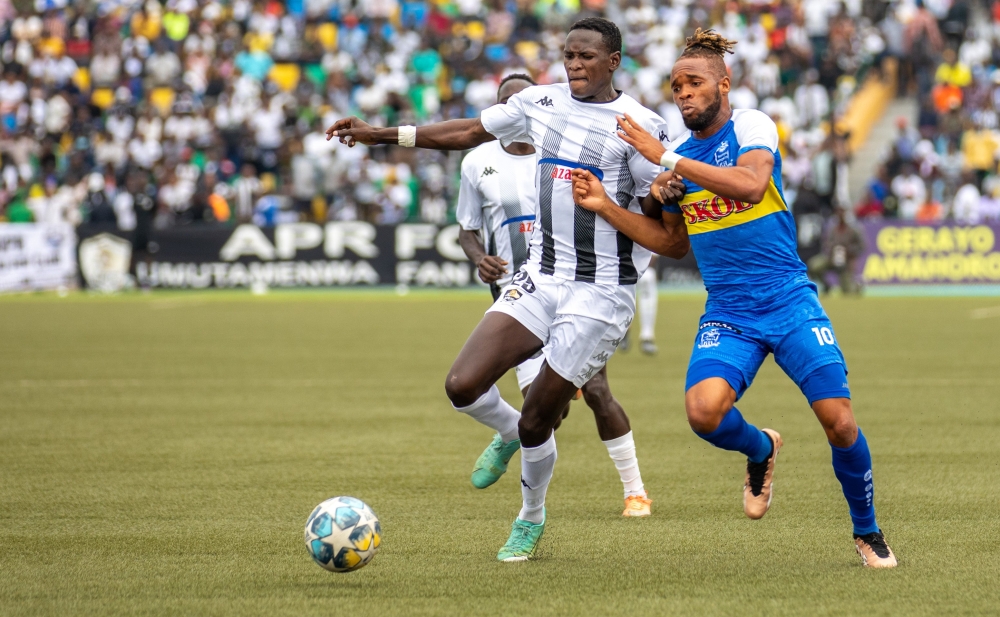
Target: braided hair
[(710, 45)]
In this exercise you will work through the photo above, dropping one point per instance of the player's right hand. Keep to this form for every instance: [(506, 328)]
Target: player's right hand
[(351, 131), (588, 192), (632, 133), (668, 188), (491, 268)]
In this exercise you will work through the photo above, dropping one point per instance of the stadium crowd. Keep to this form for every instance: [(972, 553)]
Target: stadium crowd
[(214, 110), (945, 167)]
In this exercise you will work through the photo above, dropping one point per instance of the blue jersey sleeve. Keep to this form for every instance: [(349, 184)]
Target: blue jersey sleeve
[(746, 149)]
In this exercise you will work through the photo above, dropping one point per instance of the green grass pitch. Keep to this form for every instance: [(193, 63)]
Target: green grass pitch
[(160, 454)]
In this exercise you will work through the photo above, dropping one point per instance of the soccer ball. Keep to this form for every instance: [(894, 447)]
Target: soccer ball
[(343, 534)]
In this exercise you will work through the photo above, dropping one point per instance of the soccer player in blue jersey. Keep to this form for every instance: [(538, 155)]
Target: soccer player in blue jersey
[(724, 196)]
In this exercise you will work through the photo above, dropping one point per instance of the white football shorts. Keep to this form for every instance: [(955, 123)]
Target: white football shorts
[(528, 370), (580, 324)]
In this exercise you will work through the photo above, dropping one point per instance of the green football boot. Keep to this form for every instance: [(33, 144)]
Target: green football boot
[(523, 540), (492, 463)]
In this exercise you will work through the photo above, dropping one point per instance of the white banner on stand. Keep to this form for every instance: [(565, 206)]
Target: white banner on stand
[(36, 256)]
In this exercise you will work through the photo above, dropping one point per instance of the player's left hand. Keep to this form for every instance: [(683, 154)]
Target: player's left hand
[(668, 188), (632, 133), (588, 192), (491, 268)]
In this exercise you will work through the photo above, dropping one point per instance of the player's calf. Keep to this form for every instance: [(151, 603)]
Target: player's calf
[(827, 391), (712, 416), (608, 413), (543, 407), (616, 433)]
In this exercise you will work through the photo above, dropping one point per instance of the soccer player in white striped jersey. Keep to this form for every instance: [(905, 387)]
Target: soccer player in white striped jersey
[(574, 298), (497, 199), (647, 301)]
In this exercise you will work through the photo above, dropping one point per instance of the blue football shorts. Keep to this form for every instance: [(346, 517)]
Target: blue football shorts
[(798, 333)]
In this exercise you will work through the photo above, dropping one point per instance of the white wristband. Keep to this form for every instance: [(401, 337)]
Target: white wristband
[(669, 159), (407, 136)]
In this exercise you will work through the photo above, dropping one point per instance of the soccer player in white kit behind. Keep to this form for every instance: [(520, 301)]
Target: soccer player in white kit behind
[(497, 198), (647, 301), (575, 297)]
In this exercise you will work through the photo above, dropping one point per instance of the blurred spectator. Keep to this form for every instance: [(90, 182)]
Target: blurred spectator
[(305, 175), (842, 245), (871, 206), (135, 209), (930, 212), (910, 192), (953, 72), (979, 146), (13, 93), (163, 67), (246, 188), (967, 200), (922, 42), (97, 204)]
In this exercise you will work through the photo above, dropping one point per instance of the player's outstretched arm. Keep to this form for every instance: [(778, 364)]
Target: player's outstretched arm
[(665, 236), (747, 181), (448, 135)]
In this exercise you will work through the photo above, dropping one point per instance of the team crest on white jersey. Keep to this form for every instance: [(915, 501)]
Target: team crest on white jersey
[(722, 155)]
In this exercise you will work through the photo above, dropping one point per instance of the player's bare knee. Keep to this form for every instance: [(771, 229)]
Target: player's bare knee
[(705, 412), (838, 422), (843, 431), (461, 390)]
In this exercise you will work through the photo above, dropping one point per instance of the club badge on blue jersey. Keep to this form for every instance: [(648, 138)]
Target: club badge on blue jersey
[(709, 338)]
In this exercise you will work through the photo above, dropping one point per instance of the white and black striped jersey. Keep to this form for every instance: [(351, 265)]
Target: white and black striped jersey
[(569, 242), (497, 195)]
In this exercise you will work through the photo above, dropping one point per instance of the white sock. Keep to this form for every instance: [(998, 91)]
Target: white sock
[(648, 301), (622, 452), (490, 409), (536, 472)]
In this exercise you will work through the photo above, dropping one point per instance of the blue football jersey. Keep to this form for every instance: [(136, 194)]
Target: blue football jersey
[(747, 253)]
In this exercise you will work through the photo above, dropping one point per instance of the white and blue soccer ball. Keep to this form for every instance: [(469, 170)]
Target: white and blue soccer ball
[(343, 534)]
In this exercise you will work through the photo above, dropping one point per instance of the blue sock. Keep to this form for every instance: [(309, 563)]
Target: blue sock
[(734, 433), (853, 467)]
